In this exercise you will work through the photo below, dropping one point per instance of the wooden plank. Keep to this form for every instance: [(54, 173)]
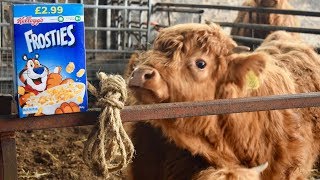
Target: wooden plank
[(1, 164), (5, 104), (8, 157)]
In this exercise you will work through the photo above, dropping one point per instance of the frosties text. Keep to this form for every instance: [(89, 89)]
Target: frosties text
[(57, 37)]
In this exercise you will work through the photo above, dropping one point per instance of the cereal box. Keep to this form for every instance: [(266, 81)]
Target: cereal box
[(49, 56)]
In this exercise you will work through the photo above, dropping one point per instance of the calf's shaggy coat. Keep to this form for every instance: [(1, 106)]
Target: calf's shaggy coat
[(194, 62), (264, 18)]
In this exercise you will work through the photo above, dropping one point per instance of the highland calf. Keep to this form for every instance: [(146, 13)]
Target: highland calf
[(195, 62), (264, 18)]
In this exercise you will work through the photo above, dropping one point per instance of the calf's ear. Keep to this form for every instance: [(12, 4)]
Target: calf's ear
[(245, 70)]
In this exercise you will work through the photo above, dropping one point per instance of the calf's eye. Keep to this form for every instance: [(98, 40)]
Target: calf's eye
[(201, 64)]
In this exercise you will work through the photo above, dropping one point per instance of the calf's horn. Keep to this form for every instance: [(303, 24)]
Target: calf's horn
[(260, 168), (240, 49)]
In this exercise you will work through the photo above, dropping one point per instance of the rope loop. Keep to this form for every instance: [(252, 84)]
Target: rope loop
[(108, 148)]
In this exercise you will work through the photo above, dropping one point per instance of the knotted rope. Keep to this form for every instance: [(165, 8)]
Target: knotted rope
[(108, 148)]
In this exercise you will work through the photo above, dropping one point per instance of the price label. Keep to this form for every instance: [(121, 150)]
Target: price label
[(46, 10)]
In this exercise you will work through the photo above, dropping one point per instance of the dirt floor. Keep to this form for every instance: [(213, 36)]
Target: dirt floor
[(53, 154)]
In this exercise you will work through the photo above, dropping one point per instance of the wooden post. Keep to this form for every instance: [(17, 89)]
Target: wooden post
[(8, 164), (8, 157)]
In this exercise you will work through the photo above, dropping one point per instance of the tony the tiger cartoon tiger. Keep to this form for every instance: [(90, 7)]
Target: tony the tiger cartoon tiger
[(37, 78)]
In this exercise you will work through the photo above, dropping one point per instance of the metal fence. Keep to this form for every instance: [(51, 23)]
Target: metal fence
[(199, 9), (114, 29)]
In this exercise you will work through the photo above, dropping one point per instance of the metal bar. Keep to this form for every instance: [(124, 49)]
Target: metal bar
[(5, 48), (140, 24), (250, 21), (149, 13), (241, 8), (95, 25), (109, 51), (20, 1), (114, 29), (119, 23), (8, 164), (125, 25), (5, 79), (89, 50), (236, 38), (117, 7), (4, 24), (108, 24), (166, 111), (169, 19), (181, 10), (257, 41), (2, 19), (247, 39), (269, 27)]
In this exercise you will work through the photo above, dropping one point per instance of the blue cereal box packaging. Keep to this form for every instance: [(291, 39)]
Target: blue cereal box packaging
[(49, 56)]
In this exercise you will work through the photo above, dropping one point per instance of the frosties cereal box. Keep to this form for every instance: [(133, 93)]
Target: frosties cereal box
[(49, 56)]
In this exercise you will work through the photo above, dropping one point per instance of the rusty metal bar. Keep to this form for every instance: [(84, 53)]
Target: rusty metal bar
[(167, 111)]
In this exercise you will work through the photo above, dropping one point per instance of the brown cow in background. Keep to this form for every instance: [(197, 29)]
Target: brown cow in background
[(195, 62), (264, 18)]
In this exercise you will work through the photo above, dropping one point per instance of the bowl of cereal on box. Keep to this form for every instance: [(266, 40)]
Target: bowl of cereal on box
[(47, 102)]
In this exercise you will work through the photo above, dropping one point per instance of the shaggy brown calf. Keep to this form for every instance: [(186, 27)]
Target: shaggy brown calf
[(194, 62), (264, 18)]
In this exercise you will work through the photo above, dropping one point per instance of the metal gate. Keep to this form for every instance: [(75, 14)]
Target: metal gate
[(114, 29)]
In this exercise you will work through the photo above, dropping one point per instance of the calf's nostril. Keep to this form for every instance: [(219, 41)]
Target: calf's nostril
[(149, 75), (140, 76)]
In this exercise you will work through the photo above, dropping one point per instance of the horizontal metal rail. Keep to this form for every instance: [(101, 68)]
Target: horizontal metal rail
[(166, 111), (247, 39), (20, 1), (241, 8), (179, 10), (88, 6), (26, 2), (117, 7), (115, 29), (270, 27), (2, 79), (101, 28), (109, 51), (257, 41), (5, 48), (87, 50), (4, 24)]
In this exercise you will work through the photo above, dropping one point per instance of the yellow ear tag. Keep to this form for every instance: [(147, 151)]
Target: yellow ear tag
[(252, 80)]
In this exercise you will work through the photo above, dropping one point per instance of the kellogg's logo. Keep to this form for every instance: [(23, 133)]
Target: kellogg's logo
[(29, 20)]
